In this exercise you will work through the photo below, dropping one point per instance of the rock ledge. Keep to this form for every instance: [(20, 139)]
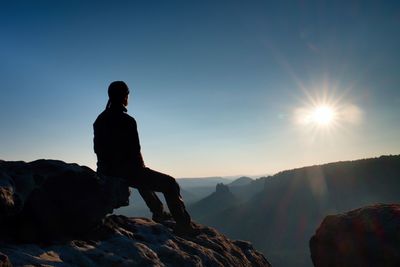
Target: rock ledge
[(369, 236), (56, 214)]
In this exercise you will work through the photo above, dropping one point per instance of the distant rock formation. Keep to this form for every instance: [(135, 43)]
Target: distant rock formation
[(212, 205), (55, 214), (222, 189), (368, 236)]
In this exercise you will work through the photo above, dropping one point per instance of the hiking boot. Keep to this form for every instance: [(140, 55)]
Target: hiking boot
[(162, 217), (187, 230)]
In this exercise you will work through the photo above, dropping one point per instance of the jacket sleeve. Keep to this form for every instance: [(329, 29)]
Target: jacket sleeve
[(136, 143)]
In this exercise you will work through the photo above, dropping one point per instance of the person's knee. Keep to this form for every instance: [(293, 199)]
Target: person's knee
[(172, 185)]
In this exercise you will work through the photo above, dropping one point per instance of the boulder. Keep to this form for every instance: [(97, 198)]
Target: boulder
[(369, 236), (50, 199)]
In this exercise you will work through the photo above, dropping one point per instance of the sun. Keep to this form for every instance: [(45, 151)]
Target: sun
[(318, 116), (322, 115), (325, 112)]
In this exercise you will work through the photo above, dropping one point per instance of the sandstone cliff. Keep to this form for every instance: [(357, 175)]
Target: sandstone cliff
[(58, 214)]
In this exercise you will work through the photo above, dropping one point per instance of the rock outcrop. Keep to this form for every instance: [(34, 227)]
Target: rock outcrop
[(49, 199), (123, 241), (214, 204), (369, 236), (57, 214)]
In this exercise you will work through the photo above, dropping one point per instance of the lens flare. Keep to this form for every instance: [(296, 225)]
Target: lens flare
[(323, 115)]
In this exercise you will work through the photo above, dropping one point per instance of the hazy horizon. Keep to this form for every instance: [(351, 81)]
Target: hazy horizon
[(218, 88)]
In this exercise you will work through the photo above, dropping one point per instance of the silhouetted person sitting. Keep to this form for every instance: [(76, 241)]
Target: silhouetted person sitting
[(117, 146)]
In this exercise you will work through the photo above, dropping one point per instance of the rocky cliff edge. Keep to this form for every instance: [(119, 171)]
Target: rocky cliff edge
[(58, 214)]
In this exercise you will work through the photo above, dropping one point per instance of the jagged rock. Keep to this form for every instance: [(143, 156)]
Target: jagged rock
[(54, 214), (221, 188), (369, 236), (123, 241), (49, 199), (214, 204)]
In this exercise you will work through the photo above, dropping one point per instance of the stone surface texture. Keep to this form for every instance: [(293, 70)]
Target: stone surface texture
[(368, 236), (57, 214)]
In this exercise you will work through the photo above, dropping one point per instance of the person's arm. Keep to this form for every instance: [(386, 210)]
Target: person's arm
[(136, 144)]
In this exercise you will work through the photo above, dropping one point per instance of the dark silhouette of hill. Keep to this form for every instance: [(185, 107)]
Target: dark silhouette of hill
[(282, 217), (224, 197), (214, 203), (241, 181), (202, 182), (246, 191)]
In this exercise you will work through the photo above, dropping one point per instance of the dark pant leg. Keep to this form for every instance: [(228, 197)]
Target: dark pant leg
[(152, 201), (150, 180)]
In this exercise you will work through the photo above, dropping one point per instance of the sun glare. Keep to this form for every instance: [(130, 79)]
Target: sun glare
[(319, 116), (322, 115)]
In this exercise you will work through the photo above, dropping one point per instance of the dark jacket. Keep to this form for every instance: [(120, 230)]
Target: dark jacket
[(116, 143)]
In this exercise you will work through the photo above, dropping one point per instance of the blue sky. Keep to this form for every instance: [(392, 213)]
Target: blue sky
[(216, 85)]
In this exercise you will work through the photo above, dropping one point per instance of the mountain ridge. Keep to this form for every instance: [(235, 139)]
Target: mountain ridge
[(292, 203)]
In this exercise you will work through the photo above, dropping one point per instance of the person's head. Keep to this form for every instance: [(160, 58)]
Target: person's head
[(118, 93)]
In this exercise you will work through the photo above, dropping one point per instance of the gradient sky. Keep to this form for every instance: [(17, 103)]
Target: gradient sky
[(215, 85)]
